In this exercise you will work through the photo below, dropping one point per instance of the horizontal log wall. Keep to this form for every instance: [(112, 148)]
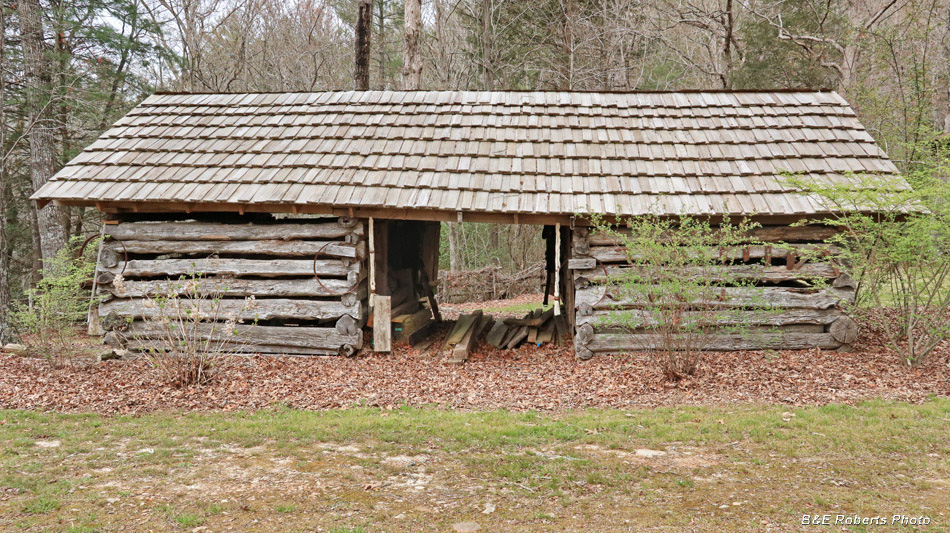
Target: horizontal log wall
[(307, 278), (800, 315)]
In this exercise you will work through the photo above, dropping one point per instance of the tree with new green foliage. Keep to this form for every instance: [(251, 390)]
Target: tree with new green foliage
[(895, 240), (68, 70), (188, 331), (47, 323), (678, 272)]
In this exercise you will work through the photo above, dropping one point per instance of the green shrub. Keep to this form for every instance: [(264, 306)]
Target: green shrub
[(189, 329), (47, 322), (677, 272), (896, 243)]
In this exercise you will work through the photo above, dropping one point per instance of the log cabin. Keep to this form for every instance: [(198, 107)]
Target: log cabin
[(326, 207)]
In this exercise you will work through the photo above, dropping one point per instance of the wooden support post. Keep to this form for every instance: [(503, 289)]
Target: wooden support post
[(431, 234), (557, 269), (567, 288), (381, 260), (382, 328), (372, 265), (94, 327)]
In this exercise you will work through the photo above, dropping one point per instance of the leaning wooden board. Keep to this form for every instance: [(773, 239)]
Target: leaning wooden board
[(466, 345)]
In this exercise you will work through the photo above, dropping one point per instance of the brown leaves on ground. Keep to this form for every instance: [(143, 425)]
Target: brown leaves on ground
[(528, 378)]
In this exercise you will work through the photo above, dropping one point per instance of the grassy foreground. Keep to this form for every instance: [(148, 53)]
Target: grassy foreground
[(714, 469)]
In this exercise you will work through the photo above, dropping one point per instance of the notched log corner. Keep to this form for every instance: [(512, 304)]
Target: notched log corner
[(114, 322), (347, 325)]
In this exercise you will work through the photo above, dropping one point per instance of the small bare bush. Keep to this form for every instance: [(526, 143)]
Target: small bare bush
[(188, 333)]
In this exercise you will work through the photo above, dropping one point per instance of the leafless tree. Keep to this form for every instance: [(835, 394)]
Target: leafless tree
[(52, 222), (703, 35), (4, 241), (363, 37), (412, 59), (860, 18), (444, 51), (269, 45), (189, 25)]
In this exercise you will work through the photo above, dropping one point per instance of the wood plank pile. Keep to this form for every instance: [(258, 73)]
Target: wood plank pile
[(412, 308), (462, 339), (305, 275), (538, 327)]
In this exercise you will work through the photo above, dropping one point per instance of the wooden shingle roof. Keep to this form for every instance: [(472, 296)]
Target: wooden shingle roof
[(554, 153)]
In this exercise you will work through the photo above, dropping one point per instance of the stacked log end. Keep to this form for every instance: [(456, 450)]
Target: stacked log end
[(801, 316), (306, 277)]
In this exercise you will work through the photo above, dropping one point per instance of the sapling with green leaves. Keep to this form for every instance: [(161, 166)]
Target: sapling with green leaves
[(188, 330), (895, 240), (48, 321), (676, 287)]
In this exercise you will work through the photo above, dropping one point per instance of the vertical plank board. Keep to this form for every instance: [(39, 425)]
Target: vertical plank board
[(567, 281), (557, 269), (372, 263), (431, 234), (382, 332), (381, 246)]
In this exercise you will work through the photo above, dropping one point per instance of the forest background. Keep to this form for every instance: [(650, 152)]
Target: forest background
[(70, 68)]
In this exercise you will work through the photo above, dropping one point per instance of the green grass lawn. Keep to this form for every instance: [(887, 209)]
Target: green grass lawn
[(709, 469), (518, 308)]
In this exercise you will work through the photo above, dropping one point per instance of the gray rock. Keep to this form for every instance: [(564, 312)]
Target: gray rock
[(115, 353), (466, 527), (16, 349), (114, 339)]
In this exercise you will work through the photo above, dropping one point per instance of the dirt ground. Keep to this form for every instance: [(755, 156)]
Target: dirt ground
[(546, 378), (736, 468), (511, 440)]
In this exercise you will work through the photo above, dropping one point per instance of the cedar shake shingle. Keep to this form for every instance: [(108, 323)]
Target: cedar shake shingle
[(504, 152)]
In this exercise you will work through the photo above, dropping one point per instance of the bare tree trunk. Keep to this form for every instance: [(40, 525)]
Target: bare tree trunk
[(453, 247), (36, 255), (381, 45), (4, 243), (52, 222), (568, 44), (364, 20), (412, 59), (726, 75), (488, 46)]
